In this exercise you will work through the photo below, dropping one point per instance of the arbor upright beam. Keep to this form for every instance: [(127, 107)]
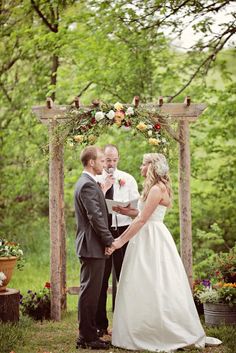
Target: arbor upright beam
[(185, 199), (57, 225)]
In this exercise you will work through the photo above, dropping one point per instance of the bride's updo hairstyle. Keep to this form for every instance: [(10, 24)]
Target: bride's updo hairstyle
[(157, 173)]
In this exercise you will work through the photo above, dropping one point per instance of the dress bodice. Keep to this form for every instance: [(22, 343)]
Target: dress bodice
[(157, 215)]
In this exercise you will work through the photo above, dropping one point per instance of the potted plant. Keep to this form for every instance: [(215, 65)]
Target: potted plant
[(219, 297), (37, 304), (10, 255), (198, 287)]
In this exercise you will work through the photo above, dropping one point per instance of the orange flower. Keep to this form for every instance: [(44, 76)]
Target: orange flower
[(231, 285), (119, 116)]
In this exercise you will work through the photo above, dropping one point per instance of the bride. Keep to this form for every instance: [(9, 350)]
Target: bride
[(154, 307)]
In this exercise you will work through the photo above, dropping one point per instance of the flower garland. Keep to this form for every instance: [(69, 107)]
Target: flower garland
[(84, 125)]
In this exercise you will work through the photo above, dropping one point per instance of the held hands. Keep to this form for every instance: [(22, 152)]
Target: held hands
[(117, 244)]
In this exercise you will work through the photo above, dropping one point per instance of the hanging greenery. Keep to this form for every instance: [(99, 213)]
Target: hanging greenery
[(84, 125)]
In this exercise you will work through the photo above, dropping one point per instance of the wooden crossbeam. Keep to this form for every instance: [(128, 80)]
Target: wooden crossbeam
[(176, 111)]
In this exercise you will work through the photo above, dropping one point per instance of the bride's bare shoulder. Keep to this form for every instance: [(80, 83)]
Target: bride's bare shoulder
[(159, 187), (156, 189)]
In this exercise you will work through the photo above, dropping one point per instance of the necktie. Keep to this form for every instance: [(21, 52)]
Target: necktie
[(109, 195), (110, 192)]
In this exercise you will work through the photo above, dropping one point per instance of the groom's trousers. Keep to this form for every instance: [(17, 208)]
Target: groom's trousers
[(91, 279), (117, 260)]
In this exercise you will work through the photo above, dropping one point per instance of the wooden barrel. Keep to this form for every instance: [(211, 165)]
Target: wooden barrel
[(219, 314)]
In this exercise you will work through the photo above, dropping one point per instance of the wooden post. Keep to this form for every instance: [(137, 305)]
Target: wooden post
[(57, 224), (185, 199)]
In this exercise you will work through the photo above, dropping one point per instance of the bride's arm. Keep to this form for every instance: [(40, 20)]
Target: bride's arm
[(153, 200)]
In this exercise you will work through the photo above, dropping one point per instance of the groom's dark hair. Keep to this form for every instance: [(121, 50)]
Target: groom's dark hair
[(90, 152)]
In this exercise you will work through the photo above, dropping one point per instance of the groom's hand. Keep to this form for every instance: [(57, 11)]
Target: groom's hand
[(109, 250)]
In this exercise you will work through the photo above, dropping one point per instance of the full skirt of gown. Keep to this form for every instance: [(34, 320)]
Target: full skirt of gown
[(154, 307)]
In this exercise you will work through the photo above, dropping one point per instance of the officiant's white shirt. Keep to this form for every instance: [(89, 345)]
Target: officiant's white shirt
[(126, 192)]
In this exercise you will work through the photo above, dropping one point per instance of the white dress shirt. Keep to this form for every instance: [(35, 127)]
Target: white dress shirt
[(126, 192), (90, 174)]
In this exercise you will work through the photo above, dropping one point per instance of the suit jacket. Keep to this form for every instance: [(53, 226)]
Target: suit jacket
[(92, 235)]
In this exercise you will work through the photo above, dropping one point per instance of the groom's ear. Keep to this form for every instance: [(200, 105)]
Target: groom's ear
[(91, 162)]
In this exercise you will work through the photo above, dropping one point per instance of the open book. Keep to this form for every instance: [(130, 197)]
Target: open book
[(112, 203)]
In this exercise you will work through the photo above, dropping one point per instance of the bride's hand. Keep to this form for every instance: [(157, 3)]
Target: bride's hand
[(117, 244)]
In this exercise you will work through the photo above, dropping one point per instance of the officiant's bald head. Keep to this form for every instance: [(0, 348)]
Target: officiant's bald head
[(111, 153)]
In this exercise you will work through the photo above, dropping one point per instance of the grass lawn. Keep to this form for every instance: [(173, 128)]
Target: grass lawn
[(59, 337), (29, 336)]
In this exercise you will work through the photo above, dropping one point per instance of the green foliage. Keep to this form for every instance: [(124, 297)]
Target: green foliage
[(111, 53), (225, 295), (205, 245), (37, 304)]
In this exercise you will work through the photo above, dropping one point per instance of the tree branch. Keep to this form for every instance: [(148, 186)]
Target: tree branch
[(83, 90), (45, 21), (9, 65), (207, 61), (6, 93)]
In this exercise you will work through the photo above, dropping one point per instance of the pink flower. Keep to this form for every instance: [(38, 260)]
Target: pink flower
[(121, 182)]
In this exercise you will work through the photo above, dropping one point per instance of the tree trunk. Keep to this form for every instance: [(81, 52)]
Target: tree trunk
[(9, 305), (55, 65)]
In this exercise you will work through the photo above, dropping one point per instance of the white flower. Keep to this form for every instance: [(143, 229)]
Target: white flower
[(149, 127), (2, 278), (150, 133), (163, 140), (99, 116), (125, 128), (130, 111), (20, 252), (161, 166), (111, 114)]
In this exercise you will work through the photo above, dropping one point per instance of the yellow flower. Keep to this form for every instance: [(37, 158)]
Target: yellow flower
[(92, 138), (79, 138), (118, 106), (154, 142), (141, 126)]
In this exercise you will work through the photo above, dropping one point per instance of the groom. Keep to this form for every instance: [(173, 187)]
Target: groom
[(92, 237)]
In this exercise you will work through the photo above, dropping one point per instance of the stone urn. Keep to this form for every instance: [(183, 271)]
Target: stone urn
[(7, 265)]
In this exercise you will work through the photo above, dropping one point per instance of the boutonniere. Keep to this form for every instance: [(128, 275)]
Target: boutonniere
[(121, 182)]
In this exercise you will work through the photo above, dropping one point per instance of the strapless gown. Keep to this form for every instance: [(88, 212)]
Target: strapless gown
[(154, 307)]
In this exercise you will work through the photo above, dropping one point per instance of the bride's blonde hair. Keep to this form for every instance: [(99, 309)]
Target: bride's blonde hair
[(157, 173)]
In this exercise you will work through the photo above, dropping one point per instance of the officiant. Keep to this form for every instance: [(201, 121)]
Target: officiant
[(124, 188)]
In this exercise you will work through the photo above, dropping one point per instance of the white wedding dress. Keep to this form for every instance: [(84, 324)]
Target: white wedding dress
[(154, 307)]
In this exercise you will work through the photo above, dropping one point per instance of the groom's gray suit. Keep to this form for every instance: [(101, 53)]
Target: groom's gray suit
[(92, 236)]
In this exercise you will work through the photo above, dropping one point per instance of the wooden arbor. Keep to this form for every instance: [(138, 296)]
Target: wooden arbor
[(51, 115)]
